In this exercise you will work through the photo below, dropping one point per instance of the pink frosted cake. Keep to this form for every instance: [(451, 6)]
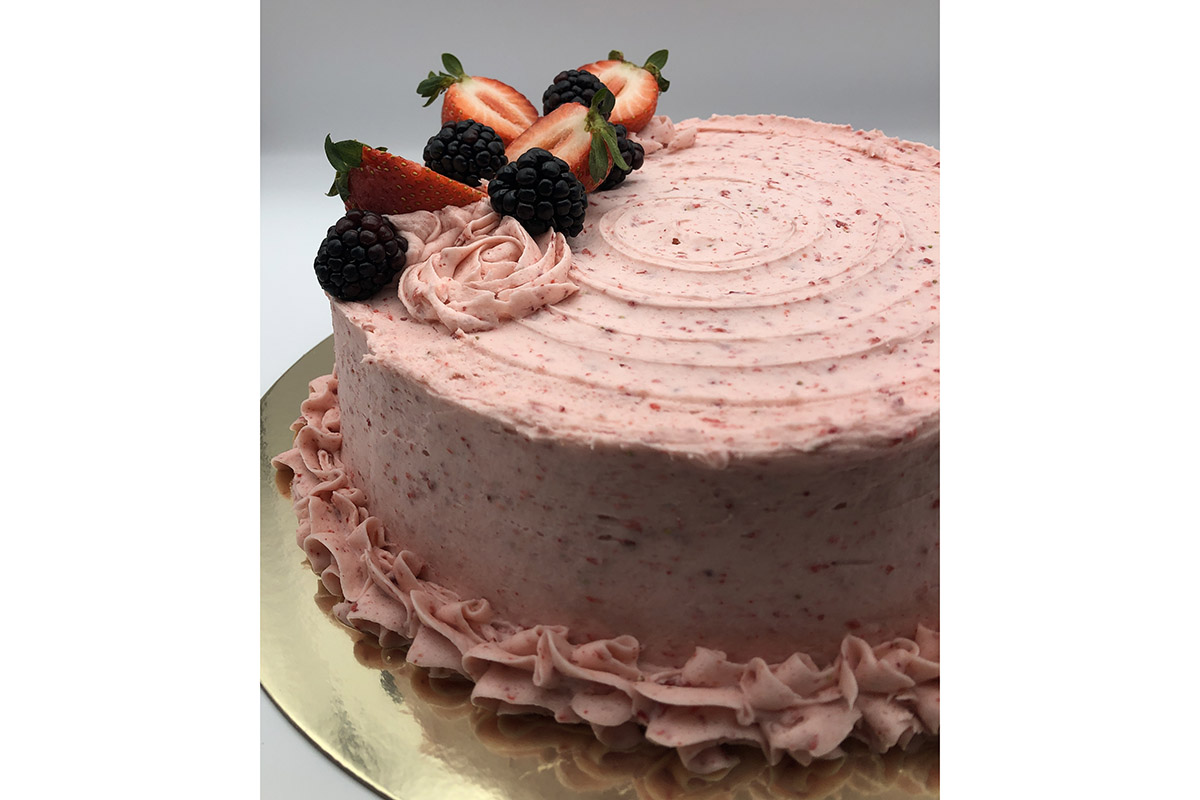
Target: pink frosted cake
[(675, 477)]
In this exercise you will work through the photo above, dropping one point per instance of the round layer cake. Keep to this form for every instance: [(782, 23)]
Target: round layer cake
[(678, 474)]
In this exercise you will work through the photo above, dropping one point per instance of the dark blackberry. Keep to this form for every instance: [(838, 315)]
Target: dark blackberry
[(360, 255), (634, 155), (467, 151), (571, 86), (541, 192)]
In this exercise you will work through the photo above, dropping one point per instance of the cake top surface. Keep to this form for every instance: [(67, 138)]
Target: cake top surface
[(772, 288)]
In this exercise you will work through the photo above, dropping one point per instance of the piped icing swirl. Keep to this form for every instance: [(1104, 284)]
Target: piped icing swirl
[(472, 269), (883, 695), (660, 133)]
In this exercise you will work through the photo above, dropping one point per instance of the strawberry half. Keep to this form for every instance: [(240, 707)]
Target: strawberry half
[(372, 179), (580, 136), (636, 88), (486, 100)]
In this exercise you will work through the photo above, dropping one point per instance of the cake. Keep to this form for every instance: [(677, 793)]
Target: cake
[(675, 477)]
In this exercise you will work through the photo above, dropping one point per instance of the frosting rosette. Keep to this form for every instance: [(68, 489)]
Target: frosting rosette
[(473, 269)]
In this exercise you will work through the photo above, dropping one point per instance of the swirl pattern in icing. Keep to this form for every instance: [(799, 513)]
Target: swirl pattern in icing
[(474, 269), (773, 287)]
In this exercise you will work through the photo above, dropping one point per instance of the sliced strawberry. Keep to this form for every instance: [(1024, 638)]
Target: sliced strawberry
[(579, 135), (372, 179), (636, 88), (497, 105)]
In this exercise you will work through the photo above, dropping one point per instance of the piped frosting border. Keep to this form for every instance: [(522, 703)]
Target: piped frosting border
[(883, 695)]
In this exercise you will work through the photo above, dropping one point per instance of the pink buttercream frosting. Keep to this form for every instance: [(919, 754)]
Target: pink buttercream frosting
[(660, 133), (633, 508), (884, 695), (471, 269)]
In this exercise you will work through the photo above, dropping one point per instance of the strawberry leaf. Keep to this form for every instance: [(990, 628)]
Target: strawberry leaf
[(343, 156), (609, 135), (453, 66), (657, 59), (604, 136), (616, 55), (597, 160), (603, 101), (438, 82), (654, 65), (340, 187), (434, 85)]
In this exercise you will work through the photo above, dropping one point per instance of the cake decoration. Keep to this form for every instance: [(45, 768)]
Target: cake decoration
[(632, 152), (360, 254), (485, 100), (636, 88), (660, 133), (467, 151), (540, 191), (478, 269), (372, 179), (571, 86), (580, 135)]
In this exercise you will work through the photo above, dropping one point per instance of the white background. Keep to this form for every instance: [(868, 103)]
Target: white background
[(131, 308)]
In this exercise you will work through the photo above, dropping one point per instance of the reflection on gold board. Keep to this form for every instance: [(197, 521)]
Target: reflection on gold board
[(408, 734)]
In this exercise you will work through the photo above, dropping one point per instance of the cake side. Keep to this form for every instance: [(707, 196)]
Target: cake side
[(884, 695), (749, 558)]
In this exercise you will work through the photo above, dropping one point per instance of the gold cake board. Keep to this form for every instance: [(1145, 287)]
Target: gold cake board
[(410, 736)]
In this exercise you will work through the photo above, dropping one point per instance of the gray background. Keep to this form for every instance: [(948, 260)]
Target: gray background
[(350, 69)]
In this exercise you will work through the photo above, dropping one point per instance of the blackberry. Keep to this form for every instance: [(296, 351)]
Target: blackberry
[(361, 253), (466, 151), (541, 192), (571, 86), (634, 155)]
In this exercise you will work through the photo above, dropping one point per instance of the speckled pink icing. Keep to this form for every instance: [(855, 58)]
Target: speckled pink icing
[(661, 133), (698, 497), (883, 695), (471, 269)]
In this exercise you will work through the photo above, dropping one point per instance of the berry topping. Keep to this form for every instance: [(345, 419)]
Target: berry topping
[(485, 100), (361, 253), (540, 191), (373, 179), (467, 151), (571, 86), (580, 136), (634, 155), (636, 88)]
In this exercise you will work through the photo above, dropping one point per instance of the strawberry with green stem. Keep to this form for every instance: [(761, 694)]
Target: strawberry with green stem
[(372, 179), (580, 136), (636, 88), (485, 100)]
